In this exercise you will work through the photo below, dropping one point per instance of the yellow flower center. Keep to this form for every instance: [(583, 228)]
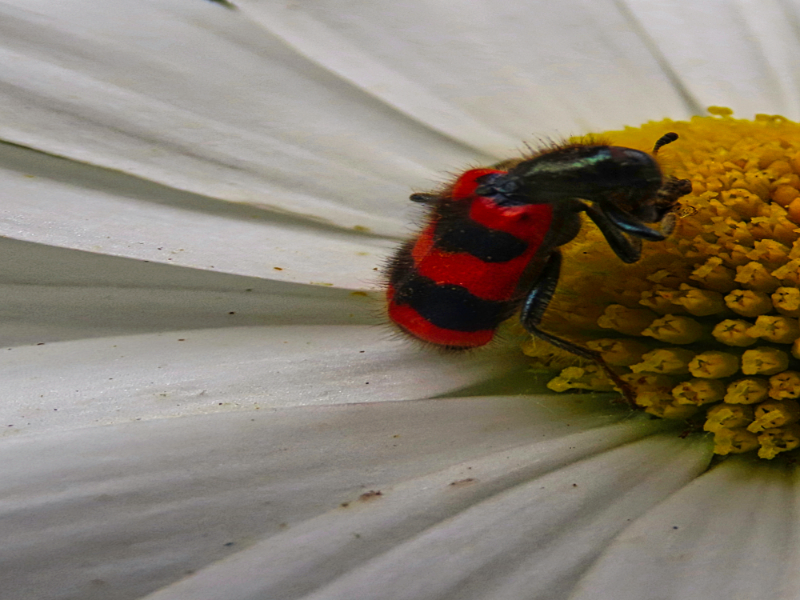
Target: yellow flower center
[(705, 325)]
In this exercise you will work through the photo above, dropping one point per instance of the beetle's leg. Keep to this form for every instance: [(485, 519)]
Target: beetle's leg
[(667, 224), (671, 190), (630, 224), (534, 307), (628, 250)]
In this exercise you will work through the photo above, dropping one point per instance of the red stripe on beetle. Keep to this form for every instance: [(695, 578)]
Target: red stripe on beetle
[(466, 184), (412, 323), (424, 244), (489, 281), (528, 222)]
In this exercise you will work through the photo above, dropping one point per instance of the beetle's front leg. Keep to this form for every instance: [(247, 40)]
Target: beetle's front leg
[(534, 307), (628, 250), (630, 224)]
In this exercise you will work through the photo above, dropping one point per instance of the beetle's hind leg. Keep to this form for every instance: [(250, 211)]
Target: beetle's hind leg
[(533, 310)]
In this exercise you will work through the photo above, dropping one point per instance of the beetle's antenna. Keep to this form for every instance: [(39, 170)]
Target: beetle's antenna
[(665, 139)]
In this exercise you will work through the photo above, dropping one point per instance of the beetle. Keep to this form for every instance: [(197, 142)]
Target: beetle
[(490, 243)]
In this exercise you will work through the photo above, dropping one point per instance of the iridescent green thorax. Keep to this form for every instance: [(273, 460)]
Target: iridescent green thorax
[(580, 171)]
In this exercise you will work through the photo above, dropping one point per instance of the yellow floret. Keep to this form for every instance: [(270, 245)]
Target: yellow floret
[(708, 319)]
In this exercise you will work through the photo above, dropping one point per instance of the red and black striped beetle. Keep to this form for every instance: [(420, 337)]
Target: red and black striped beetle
[(490, 245)]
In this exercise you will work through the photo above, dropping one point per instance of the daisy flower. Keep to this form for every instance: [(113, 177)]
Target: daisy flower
[(201, 397)]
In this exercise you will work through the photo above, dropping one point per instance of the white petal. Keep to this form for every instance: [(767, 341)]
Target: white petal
[(732, 533), (465, 67), (508, 526), (339, 124), (61, 203), (737, 54), (118, 379), (197, 98), (115, 512), (54, 294)]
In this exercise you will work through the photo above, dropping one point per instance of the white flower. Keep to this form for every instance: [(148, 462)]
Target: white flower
[(199, 401)]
